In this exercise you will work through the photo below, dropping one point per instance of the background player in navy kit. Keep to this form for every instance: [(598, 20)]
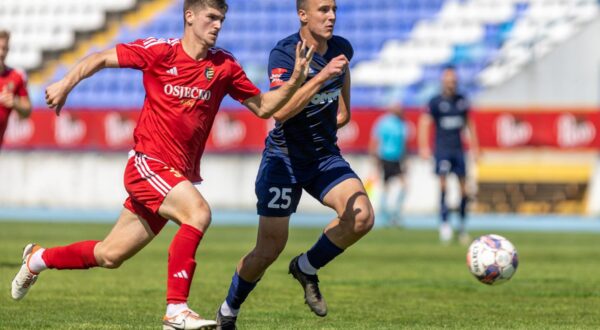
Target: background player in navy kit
[(301, 153), (450, 114)]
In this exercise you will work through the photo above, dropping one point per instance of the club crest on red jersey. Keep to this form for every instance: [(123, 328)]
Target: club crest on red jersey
[(209, 73)]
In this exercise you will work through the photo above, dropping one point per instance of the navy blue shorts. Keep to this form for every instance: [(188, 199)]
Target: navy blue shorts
[(452, 162), (279, 186)]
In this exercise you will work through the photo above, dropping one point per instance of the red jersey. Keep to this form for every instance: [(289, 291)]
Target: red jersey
[(12, 81), (183, 96)]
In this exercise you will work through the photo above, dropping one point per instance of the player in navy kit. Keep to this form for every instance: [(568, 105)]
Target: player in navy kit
[(301, 153), (450, 113)]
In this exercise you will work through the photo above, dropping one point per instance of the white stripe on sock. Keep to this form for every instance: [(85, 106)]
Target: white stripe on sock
[(305, 265), (228, 311)]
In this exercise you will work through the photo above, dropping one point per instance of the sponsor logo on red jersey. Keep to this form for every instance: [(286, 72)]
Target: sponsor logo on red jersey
[(187, 92), (275, 78)]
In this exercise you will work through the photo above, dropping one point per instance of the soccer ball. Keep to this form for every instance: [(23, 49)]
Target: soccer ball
[(492, 259)]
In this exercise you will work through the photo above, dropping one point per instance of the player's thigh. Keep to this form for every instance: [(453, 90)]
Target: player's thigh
[(148, 182), (443, 165), (459, 166), (276, 199), (127, 237), (349, 198), (185, 205)]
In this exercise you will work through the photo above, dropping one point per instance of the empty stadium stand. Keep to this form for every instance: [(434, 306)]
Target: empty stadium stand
[(400, 45)]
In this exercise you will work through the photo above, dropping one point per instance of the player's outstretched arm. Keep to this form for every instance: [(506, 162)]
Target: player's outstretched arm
[(266, 104), (56, 94), (296, 104), (343, 116)]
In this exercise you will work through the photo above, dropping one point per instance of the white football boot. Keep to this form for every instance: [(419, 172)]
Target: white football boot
[(186, 320), (24, 278)]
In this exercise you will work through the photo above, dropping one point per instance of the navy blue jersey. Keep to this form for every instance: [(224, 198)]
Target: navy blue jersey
[(450, 117), (311, 134)]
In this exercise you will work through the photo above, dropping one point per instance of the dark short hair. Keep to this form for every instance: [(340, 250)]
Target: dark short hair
[(218, 4), (4, 34), (300, 4), (451, 67)]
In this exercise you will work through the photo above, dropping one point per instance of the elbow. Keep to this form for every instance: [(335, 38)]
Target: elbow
[(343, 120), (278, 117), (264, 114)]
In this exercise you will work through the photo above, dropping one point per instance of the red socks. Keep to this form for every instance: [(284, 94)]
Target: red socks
[(182, 264), (78, 255)]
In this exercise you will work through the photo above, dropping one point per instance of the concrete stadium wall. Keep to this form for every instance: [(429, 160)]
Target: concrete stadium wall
[(90, 180), (94, 181), (569, 76)]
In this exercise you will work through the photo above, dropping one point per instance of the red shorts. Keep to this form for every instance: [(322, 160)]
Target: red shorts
[(148, 181)]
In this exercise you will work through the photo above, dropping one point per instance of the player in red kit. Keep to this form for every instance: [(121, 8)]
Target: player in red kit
[(13, 88), (185, 82)]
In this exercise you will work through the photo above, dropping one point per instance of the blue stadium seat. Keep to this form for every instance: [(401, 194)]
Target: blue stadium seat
[(252, 28)]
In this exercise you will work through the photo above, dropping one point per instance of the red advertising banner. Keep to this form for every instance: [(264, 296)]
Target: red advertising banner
[(241, 131)]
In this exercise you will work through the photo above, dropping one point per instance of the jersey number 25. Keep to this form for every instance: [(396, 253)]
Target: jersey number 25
[(281, 198)]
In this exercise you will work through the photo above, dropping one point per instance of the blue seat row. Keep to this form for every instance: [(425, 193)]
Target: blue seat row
[(253, 27)]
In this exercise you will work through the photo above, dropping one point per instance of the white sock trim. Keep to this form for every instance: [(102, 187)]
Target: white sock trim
[(174, 309), (36, 264), (228, 311), (305, 265)]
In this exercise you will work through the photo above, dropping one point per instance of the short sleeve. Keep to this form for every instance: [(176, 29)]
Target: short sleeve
[(21, 86), (347, 49), (281, 67), (241, 88), (140, 54)]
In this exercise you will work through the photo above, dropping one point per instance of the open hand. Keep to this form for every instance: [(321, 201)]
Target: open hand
[(302, 66)]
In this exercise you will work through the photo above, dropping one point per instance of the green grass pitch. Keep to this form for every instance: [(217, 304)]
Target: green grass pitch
[(392, 279)]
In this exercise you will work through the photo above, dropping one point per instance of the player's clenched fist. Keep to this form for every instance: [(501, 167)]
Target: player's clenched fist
[(56, 95), (335, 67), (7, 99)]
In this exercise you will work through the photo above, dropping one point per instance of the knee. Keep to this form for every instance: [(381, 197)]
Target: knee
[(110, 260), (200, 217), (362, 221)]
